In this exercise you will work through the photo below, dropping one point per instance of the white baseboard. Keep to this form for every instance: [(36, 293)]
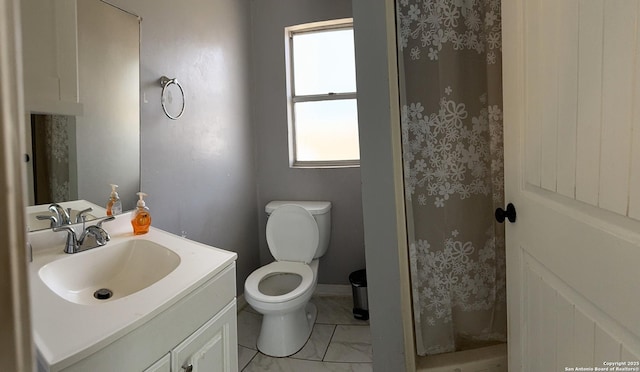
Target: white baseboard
[(241, 303)]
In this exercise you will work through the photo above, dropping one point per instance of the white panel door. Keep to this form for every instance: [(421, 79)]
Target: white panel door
[(572, 169)]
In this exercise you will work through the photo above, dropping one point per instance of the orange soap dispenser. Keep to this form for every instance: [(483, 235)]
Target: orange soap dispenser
[(141, 217)]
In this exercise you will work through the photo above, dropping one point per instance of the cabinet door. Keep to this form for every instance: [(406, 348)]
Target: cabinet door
[(212, 348), (50, 56), (162, 365)]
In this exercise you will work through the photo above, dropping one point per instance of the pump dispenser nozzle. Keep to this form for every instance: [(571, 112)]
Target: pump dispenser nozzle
[(113, 190), (114, 205), (141, 196)]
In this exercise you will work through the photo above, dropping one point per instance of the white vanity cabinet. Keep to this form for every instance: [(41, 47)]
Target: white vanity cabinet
[(50, 56), (198, 331)]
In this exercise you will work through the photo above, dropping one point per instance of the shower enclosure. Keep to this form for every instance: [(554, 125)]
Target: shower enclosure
[(449, 62)]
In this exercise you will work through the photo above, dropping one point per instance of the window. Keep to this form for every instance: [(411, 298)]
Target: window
[(321, 77)]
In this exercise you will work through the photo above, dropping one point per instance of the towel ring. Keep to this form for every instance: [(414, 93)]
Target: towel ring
[(165, 82)]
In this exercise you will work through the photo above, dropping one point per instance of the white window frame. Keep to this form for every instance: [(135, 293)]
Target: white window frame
[(292, 98)]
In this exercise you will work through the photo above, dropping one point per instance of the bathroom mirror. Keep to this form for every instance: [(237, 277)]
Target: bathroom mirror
[(76, 157)]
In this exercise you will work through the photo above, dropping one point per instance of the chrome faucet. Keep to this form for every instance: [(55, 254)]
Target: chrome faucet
[(92, 237), (61, 217), (61, 214)]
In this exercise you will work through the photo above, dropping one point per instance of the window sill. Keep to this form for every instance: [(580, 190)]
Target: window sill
[(325, 164)]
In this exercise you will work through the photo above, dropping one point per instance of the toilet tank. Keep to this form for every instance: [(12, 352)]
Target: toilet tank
[(320, 210)]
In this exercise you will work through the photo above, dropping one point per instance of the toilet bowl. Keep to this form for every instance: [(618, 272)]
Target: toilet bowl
[(281, 294), (281, 290)]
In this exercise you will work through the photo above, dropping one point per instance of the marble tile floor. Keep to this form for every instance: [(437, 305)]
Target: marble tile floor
[(338, 342)]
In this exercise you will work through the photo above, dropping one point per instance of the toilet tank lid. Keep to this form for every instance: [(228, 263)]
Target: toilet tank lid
[(314, 207)]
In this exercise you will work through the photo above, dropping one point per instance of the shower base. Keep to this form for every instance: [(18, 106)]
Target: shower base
[(486, 359)]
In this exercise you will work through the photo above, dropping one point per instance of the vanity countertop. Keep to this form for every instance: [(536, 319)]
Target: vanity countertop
[(66, 332)]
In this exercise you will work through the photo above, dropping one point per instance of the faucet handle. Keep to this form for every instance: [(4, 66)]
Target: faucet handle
[(110, 218), (99, 234), (53, 219), (81, 215)]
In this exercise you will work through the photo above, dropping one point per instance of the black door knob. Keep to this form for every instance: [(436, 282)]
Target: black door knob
[(509, 214)]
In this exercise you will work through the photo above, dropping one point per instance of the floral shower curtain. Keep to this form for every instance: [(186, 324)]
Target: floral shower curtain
[(450, 66), (51, 158)]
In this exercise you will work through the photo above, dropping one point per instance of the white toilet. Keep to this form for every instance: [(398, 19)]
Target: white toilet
[(297, 235)]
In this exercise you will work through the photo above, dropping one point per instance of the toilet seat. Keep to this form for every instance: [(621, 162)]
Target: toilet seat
[(252, 283)]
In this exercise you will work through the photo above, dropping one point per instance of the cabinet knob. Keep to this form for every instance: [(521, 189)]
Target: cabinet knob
[(188, 368)]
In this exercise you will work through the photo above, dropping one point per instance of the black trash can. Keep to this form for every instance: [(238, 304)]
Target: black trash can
[(358, 281)]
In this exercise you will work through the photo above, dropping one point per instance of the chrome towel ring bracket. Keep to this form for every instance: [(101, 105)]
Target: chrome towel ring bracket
[(168, 97)]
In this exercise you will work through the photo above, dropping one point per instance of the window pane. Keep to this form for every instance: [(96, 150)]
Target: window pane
[(324, 62), (327, 130)]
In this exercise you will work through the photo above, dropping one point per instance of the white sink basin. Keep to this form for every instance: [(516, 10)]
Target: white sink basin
[(124, 268), (147, 274)]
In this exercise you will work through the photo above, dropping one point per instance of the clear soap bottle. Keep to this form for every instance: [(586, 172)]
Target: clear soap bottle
[(114, 205), (141, 217)]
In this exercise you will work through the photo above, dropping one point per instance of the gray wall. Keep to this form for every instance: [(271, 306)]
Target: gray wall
[(276, 181), (199, 170)]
